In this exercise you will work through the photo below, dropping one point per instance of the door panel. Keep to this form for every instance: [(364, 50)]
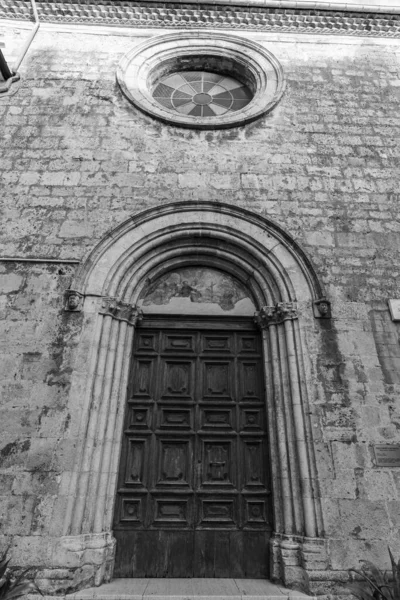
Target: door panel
[(177, 380), (218, 463), (144, 379), (136, 472), (175, 461), (217, 381), (194, 491)]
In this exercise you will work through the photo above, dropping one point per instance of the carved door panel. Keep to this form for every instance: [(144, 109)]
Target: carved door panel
[(194, 495)]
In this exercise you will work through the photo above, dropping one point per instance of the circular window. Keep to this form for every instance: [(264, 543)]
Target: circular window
[(201, 80), (201, 94)]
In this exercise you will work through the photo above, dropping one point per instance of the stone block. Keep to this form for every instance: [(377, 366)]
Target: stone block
[(17, 514), (54, 574), (29, 178), (329, 589), (349, 553), (10, 282), (94, 557), (344, 455), (33, 550), (50, 587), (296, 578), (74, 229), (379, 485), (394, 514), (225, 181), (84, 577), (41, 453), (65, 558), (342, 486), (317, 238), (192, 180), (363, 519), (331, 514), (249, 180)]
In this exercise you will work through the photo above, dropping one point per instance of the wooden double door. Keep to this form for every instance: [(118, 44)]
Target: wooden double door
[(194, 495)]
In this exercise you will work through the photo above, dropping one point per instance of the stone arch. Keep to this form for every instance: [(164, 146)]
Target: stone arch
[(106, 288), (102, 271)]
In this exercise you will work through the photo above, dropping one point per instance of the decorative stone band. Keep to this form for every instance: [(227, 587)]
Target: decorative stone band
[(273, 315), (121, 311), (174, 15)]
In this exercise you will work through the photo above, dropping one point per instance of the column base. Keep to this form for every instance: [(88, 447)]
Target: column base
[(302, 564), (79, 561)]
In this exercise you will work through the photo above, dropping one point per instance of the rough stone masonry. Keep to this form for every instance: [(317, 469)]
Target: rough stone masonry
[(77, 160)]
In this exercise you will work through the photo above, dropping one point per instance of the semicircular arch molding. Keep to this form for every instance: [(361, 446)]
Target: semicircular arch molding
[(272, 264)]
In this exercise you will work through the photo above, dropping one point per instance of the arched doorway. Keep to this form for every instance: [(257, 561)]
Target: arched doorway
[(282, 283), (194, 492)]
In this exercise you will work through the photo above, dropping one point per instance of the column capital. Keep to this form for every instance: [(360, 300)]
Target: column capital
[(122, 311), (274, 315)]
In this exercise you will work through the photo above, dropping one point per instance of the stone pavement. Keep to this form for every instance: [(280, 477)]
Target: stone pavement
[(188, 589)]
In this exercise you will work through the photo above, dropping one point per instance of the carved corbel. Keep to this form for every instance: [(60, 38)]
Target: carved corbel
[(322, 308), (121, 311), (73, 301)]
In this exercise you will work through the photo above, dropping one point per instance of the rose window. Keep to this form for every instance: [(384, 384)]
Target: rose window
[(201, 94), (201, 79)]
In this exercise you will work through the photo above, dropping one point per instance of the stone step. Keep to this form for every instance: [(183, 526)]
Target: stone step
[(188, 589)]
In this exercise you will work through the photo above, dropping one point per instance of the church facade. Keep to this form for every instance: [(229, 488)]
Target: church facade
[(199, 290)]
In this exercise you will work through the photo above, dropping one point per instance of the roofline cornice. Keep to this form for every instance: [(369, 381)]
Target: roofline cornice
[(280, 16), (366, 8)]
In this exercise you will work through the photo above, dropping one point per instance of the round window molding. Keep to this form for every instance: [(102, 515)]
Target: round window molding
[(237, 65)]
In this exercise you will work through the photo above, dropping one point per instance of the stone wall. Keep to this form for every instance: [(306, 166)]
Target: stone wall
[(77, 159)]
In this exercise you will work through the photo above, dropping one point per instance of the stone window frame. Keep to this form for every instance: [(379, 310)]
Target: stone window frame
[(232, 55)]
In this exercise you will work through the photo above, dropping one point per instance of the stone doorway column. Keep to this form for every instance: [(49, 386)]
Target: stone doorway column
[(90, 508), (297, 545)]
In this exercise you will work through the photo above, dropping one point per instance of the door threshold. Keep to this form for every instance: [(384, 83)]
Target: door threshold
[(188, 589)]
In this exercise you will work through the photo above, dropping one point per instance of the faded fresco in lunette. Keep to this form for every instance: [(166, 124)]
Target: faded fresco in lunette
[(196, 290)]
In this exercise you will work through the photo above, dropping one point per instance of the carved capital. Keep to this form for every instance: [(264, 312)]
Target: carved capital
[(273, 315), (286, 310), (73, 301), (322, 308), (265, 316), (121, 311)]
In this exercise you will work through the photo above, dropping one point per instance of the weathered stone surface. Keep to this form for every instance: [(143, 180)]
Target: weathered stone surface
[(77, 160)]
